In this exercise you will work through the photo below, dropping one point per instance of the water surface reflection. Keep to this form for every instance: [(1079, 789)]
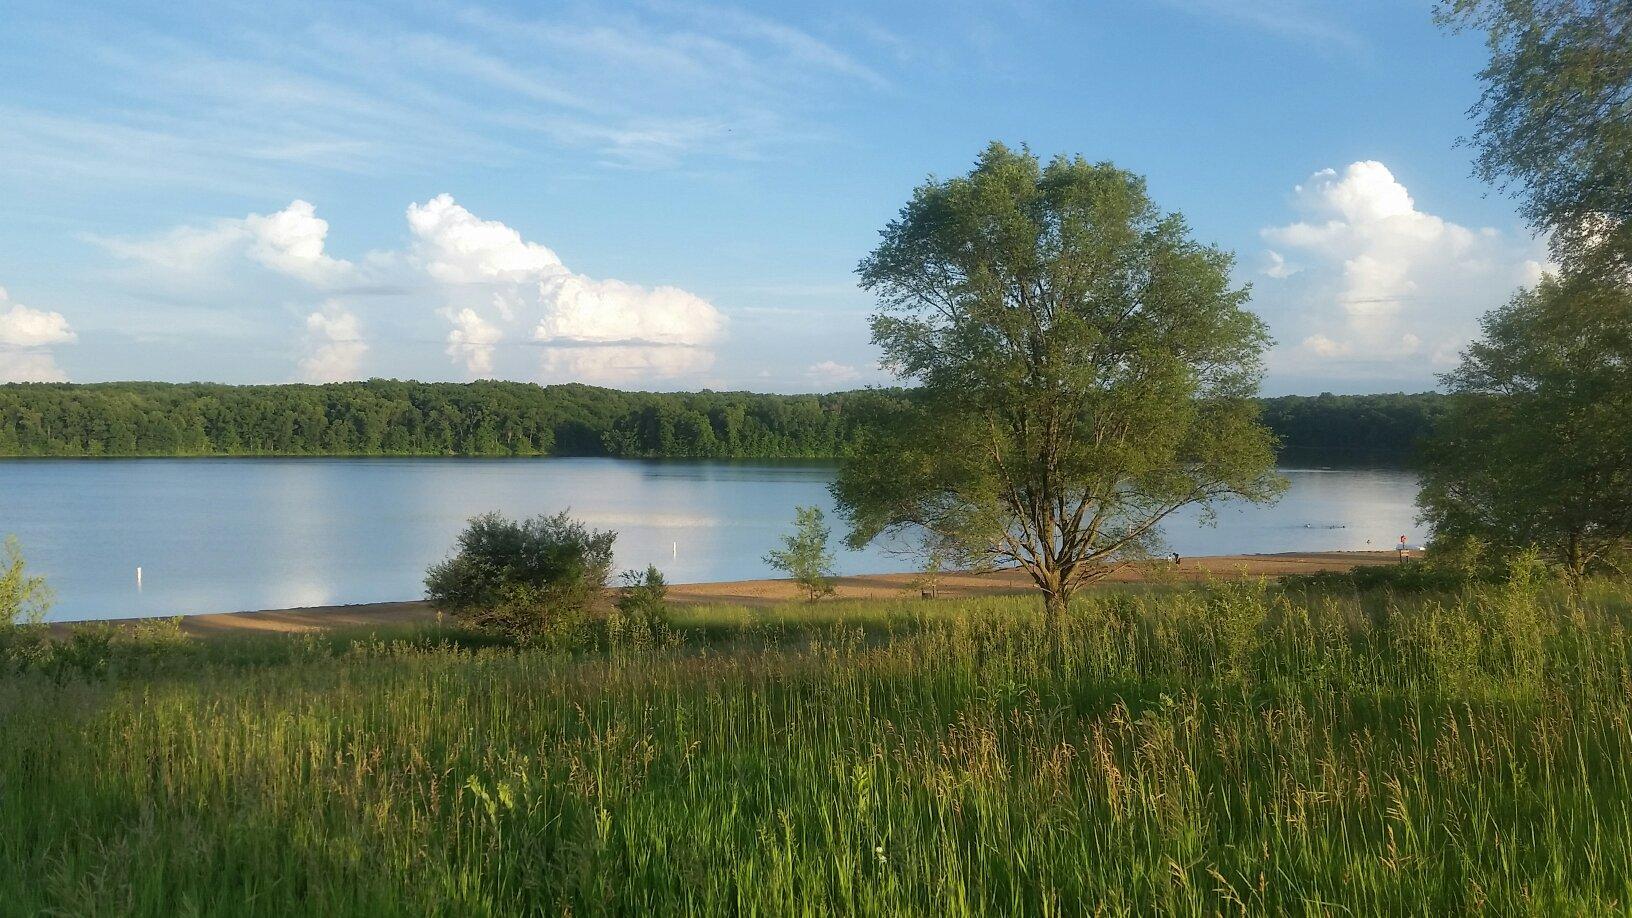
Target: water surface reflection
[(225, 534)]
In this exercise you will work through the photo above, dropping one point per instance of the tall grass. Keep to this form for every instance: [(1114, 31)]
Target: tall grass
[(1236, 748)]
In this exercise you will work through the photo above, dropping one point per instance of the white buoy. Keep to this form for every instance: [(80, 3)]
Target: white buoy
[(676, 552), (138, 578)]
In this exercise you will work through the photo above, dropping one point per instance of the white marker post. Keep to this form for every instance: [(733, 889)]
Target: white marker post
[(675, 551), (138, 580)]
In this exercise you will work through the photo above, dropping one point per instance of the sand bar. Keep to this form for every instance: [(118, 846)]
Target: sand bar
[(770, 592)]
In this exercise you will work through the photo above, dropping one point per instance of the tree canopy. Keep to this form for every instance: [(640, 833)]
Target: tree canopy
[(394, 418), (1555, 119), (1083, 369), (390, 417), (1536, 450)]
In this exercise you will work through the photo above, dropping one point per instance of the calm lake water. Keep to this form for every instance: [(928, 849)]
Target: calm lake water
[(215, 535)]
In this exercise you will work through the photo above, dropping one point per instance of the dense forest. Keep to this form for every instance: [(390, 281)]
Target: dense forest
[(1331, 429), (388, 417)]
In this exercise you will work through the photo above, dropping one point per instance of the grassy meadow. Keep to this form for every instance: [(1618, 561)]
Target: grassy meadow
[(1232, 748)]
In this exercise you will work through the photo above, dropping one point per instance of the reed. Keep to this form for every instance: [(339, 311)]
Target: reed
[(1236, 748)]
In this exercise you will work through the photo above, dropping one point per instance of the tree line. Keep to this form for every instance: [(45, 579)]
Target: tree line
[(388, 417), (391, 418)]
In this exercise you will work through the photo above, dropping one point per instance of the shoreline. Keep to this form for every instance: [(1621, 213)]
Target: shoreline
[(765, 592)]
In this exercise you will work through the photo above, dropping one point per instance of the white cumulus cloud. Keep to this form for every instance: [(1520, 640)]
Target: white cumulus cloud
[(21, 326), (1377, 278), (605, 311), (499, 285), (456, 247), (832, 373), (26, 336), (290, 242), (472, 341), (335, 346), (627, 366)]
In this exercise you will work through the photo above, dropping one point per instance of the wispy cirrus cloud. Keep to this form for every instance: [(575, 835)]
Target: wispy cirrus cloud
[(655, 87), (1298, 20)]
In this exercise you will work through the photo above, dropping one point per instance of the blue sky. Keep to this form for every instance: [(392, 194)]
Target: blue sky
[(674, 195)]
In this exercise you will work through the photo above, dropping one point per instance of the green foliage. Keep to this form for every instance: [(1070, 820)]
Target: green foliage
[(533, 581), (89, 651), (1537, 447), (390, 418), (640, 615), (85, 654), (1224, 750), (805, 555), (1084, 369), (1555, 119), (24, 599), (1352, 429), (928, 581)]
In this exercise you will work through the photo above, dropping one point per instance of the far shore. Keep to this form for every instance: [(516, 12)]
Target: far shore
[(772, 592)]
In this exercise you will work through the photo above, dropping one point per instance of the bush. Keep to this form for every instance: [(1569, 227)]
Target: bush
[(640, 617), (533, 580)]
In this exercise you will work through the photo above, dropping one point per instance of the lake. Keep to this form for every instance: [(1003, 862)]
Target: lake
[(215, 535)]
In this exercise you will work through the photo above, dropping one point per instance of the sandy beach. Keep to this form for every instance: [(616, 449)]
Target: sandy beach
[(769, 592)]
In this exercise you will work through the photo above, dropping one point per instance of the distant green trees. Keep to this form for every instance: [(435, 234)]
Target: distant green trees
[(388, 417), (384, 417), (1329, 429)]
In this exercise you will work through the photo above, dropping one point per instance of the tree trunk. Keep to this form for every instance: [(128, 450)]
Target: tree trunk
[(1575, 565), (1055, 600)]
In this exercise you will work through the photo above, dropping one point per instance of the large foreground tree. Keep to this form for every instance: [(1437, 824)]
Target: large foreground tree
[(1084, 368), (1536, 450), (1555, 120)]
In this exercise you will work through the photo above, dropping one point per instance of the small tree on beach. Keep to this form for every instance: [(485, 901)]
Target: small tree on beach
[(531, 580), (24, 599), (1084, 369), (804, 554)]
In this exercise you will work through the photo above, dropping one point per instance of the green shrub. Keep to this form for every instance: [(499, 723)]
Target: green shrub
[(533, 580), (23, 599), (640, 617)]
